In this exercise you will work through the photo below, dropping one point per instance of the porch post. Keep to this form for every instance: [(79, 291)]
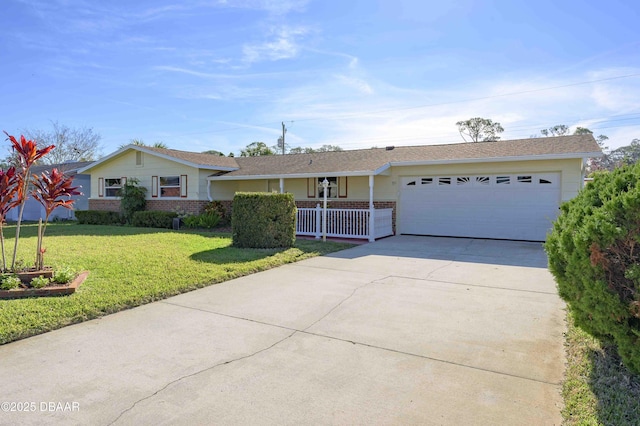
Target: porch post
[(318, 221), (372, 219), (282, 185)]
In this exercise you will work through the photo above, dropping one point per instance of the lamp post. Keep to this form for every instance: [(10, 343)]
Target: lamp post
[(325, 185)]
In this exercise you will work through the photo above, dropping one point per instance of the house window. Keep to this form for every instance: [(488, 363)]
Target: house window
[(332, 189), (169, 186), (112, 186)]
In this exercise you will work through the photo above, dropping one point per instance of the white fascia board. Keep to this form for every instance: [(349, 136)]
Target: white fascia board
[(580, 155), (166, 157), (301, 175)]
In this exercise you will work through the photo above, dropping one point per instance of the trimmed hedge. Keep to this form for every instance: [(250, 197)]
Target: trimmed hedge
[(98, 217), (594, 254), (263, 220), (153, 219)]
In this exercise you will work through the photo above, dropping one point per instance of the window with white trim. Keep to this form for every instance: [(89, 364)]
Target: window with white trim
[(169, 186), (112, 186)]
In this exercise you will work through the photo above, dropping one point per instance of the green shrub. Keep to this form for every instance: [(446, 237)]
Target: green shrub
[(218, 208), (594, 253), (132, 198), (40, 282), (9, 282), (98, 217), (263, 220), (153, 219), (204, 220), (63, 275)]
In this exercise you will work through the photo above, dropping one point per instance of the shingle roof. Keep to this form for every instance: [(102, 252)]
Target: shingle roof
[(366, 161), (70, 168), (196, 157), (374, 160)]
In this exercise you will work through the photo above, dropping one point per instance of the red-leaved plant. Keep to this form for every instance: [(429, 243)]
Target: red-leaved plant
[(52, 191), (27, 154), (8, 189)]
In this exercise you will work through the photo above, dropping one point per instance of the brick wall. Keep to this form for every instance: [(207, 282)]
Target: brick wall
[(109, 205), (189, 206)]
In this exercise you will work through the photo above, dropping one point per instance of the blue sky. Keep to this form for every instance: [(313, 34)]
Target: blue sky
[(206, 74)]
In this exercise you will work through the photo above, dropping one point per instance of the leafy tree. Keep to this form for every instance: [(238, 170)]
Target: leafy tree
[(72, 144), (327, 148), (309, 150), (213, 152), (479, 129), (557, 130), (626, 155), (301, 150), (140, 142), (256, 149)]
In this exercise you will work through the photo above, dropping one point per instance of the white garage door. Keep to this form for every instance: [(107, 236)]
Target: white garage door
[(506, 206)]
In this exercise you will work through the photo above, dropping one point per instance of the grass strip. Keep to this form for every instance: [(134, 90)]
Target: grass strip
[(598, 389)]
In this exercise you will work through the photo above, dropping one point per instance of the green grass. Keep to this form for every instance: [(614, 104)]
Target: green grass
[(598, 389), (130, 267)]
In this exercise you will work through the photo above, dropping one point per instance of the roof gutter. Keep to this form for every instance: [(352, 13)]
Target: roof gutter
[(580, 155), (302, 175)]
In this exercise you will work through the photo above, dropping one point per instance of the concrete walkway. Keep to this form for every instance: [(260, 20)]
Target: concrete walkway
[(406, 330)]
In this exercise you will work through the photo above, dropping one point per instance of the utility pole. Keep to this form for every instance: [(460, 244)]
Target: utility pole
[(281, 139)]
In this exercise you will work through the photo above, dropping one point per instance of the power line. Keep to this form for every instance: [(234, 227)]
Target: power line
[(363, 114)]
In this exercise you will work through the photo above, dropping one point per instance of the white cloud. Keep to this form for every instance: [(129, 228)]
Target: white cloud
[(282, 43)]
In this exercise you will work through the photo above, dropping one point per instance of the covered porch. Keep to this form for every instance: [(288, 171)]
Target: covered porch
[(347, 216)]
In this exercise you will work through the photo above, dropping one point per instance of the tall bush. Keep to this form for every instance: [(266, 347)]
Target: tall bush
[(594, 254), (263, 220), (132, 198)]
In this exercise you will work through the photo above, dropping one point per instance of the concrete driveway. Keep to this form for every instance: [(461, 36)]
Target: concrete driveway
[(406, 330)]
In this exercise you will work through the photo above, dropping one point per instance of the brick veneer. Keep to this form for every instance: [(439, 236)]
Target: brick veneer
[(189, 206)]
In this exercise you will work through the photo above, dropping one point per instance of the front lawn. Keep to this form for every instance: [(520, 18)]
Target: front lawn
[(130, 267)]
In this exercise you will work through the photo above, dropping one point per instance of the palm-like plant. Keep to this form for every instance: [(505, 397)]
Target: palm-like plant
[(8, 189), (28, 153), (52, 191)]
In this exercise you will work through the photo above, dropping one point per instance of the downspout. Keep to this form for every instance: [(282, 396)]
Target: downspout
[(372, 219), (209, 197), (282, 185)]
